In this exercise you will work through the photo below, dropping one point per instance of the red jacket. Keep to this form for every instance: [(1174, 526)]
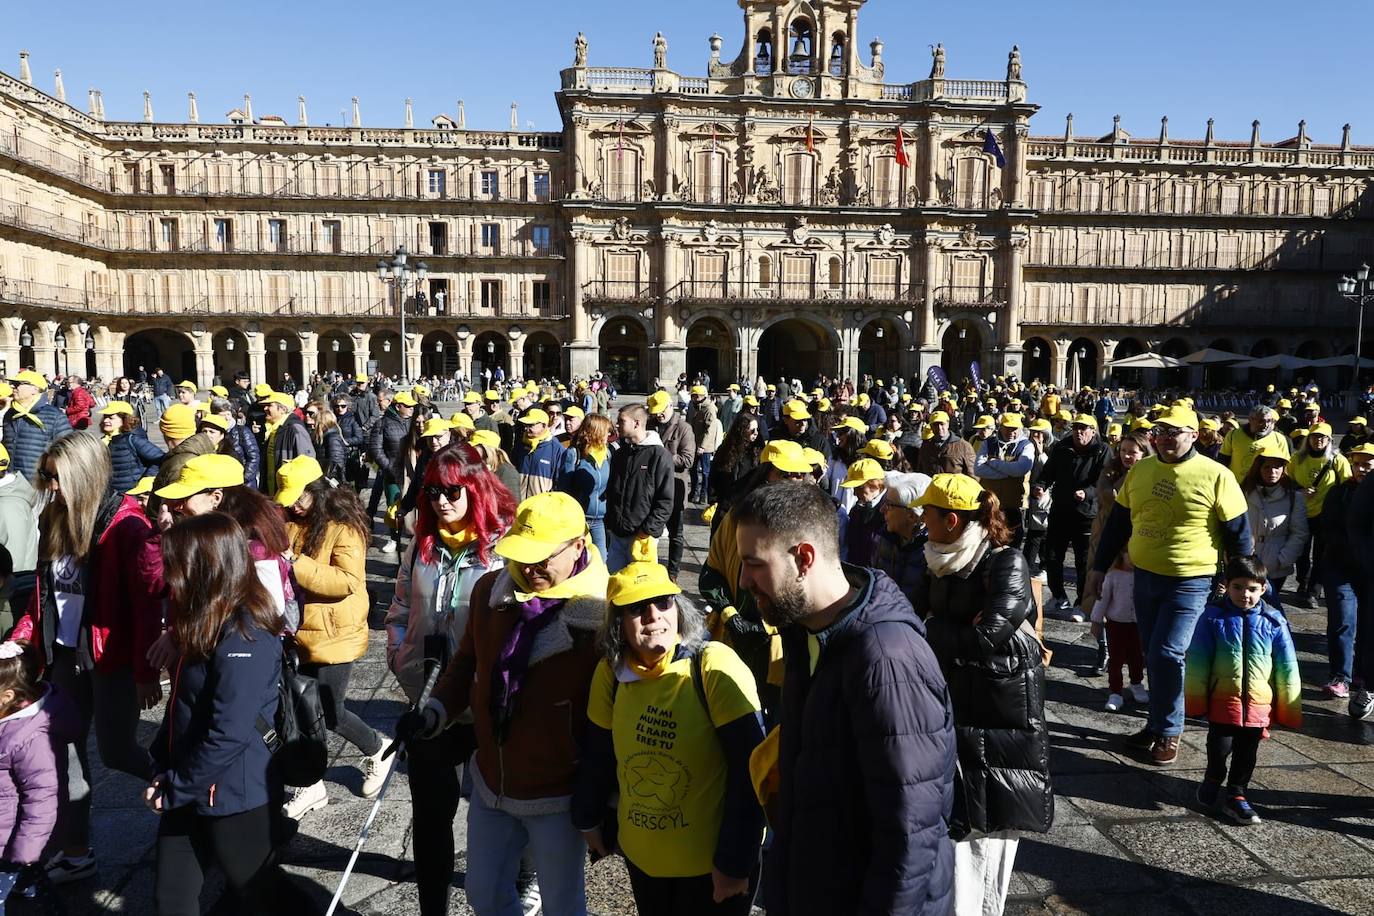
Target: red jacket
[(79, 404), (123, 616)]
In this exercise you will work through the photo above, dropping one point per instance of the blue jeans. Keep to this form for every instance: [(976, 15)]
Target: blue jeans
[(597, 527), (1342, 606), (701, 477), (496, 843), (617, 552), (1167, 609)]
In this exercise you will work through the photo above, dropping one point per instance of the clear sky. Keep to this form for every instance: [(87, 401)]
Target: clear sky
[(1235, 60)]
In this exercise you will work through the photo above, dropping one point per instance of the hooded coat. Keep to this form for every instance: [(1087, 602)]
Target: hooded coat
[(31, 740)]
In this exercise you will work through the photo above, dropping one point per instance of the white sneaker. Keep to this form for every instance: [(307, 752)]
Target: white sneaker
[(531, 902), (310, 798), (374, 772), (389, 547), (1115, 702), (1139, 694)]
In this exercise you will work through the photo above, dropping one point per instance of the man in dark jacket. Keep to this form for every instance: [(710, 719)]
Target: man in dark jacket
[(31, 423), (241, 392), (365, 403), (384, 443), (640, 494), (797, 427), (681, 444), (867, 753), (1071, 474), (945, 452), (285, 437)]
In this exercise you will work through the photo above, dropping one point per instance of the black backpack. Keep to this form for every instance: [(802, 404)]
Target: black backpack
[(299, 737)]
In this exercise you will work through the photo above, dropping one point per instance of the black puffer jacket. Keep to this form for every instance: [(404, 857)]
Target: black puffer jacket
[(385, 437), (996, 679), (867, 764), (639, 496), (1069, 470)]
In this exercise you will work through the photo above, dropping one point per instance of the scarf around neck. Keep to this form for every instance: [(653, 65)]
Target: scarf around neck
[(961, 557), (656, 670)]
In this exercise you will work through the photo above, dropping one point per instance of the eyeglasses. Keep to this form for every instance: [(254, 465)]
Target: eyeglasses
[(891, 505), (338, 407), (661, 605), (312, 413), (49, 476), (543, 565), (452, 494)]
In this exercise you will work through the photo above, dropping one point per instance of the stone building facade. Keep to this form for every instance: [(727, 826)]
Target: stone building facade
[(792, 210)]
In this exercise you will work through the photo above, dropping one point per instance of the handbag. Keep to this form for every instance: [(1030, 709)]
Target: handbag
[(298, 739)]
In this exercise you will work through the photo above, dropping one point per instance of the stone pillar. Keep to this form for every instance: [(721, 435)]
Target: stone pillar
[(465, 361), (672, 349), (667, 158), (849, 353), (577, 176), (927, 340), (929, 153), (583, 354), (362, 352), (749, 355), (1020, 138), (9, 343), (410, 364), (109, 352), (45, 356), (74, 354), (1009, 328), (515, 355), (310, 355), (257, 358), (205, 360), (1060, 371)]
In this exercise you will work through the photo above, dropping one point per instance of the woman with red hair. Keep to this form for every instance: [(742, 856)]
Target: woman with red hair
[(463, 511)]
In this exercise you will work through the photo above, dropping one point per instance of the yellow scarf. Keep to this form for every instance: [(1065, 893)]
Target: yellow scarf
[(106, 440), (457, 541), (656, 670), (23, 410), (590, 582), (598, 454), (535, 441)]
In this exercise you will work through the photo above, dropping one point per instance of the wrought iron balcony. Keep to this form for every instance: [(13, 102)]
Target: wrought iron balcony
[(797, 291), (962, 297), (620, 291)]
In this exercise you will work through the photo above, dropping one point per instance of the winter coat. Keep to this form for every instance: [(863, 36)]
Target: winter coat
[(30, 741), (367, 409), (586, 481), (385, 437), (19, 529), (1005, 467), (431, 599), (866, 760), (863, 529), (706, 427), (1070, 469), (979, 627), (332, 594), (639, 496), (209, 752), (1117, 601), (174, 461), (333, 455), (78, 409), (27, 436), (291, 440), (540, 466), (132, 457), (1278, 523), (243, 445), (680, 443), (162, 386), (905, 563), (953, 456), (1242, 668), (1345, 558), (122, 617), (351, 427)]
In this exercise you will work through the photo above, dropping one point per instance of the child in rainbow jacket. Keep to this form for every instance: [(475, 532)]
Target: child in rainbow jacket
[(1242, 676)]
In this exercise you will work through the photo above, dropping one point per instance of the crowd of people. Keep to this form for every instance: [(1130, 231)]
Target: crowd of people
[(843, 712)]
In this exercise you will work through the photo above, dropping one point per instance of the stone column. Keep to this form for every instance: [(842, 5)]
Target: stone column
[(672, 350), (109, 352), (515, 355), (928, 329), (929, 153), (74, 355), (577, 175), (310, 355), (1009, 328), (1060, 371), (205, 360), (583, 355), (257, 357), (749, 354), (362, 352), (465, 361), (9, 349), (667, 139), (45, 357), (411, 357), (1017, 192)]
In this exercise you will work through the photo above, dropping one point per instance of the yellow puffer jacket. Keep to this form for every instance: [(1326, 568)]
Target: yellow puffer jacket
[(333, 596)]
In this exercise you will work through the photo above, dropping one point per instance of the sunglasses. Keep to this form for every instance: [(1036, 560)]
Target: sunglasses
[(452, 494), (312, 413), (49, 476), (340, 407), (661, 605)]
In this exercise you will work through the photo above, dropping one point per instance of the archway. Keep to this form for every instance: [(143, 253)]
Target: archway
[(490, 351), (1260, 378), (1314, 350), (284, 358), (1175, 348), (798, 348), (336, 353), (1039, 360), (1216, 376), (159, 347), (385, 354), (1083, 365), (1128, 378), (625, 354), (543, 356), (711, 350), (438, 355), (880, 350), (961, 347), (230, 348)]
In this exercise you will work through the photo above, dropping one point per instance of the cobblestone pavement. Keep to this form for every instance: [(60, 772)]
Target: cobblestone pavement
[(1128, 837)]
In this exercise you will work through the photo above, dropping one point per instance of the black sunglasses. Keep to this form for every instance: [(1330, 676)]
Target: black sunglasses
[(49, 476), (453, 494)]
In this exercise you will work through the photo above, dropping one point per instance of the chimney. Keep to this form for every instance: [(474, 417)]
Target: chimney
[(357, 115), (193, 110), (301, 119), (90, 102), (1255, 134), (147, 106), (410, 114), (59, 90), (25, 75), (514, 117), (248, 108), (462, 115)]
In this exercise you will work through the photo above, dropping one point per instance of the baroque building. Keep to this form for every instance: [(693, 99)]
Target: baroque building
[(792, 210)]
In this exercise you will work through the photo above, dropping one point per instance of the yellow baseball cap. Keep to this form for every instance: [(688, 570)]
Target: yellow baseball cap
[(420, 390), (219, 391), (6, 390), (861, 472), (771, 387), (117, 408), (1321, 429), (751, 401), (178, 422), (1210, 423), (1178, 417), (938, 416), (1114, 429), (435, 426), (543, 524), (1271, 451), (491, 395), (659, 402), (262, 390), (533, 416), (815, 458), (294, 476), (1140, 424), (854, 423), (956, 492), (486, 438), (360, 378), (786, 456), (1362, 451), (983, 422), (878, 448), (1358, 421), (461, 420), (1012, 421), (1297, 434), (823, 405), (472, 397), (1065, 414), (574, 412), (215, 420), (405, 399), (640, 581), (284, 399), (144, 486), (1085, 419), (30, 377), (1041, 426), (204, 472), (188, 385), (1285, 403), (700, 390), (796, 410)]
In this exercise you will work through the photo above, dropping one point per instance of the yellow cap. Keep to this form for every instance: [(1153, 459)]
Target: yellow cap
[(1271, 451), (817, 392), (1210, 423), (1012, 421), (577, 412), (435, 426), (192, 386), (262, 390), (1361, 451), (1298, 434), (1358, 421), (861, 472), (472, 397), (4, 459), (854, 423), (659, 402), (879, 448), (533, 416), (486, 438), (957, 492), (178, 422), (30, 377), (360, 378), (117, 408), (796, 410), (786, 456), (420, 390), (815, 458), (771, 387), (1041, 426), (983, 422), (700, 390), (1321, 429), (543, 524), (405, 399), (219, 391), (1178, 417), (203, 407), (823, 405), (294, 476), (6, 390), (491, 395), (939, 416), (284, 399), (461, 420), (751, 401), (1085, 419), (1140, 424), (204, 472), (1114, 430), (1065, 414), (215, 420), (639, 582), (144, 486), (1285, 403)]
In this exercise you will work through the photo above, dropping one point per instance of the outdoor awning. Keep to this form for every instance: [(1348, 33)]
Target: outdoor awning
[(1209, 357), (1147, 361), (1342, 362), (1277, 361)]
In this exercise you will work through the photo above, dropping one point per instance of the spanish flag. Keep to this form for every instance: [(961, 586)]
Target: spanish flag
[(903, 159), (810, 138)]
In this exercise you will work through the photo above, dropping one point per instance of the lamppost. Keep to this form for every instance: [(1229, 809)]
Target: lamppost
[(399, 274), (1360, 291)]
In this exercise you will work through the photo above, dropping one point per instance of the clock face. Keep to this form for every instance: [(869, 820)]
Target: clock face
[(803, 89)]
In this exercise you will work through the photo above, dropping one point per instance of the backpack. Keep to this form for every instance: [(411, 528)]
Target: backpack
[(298, 739)]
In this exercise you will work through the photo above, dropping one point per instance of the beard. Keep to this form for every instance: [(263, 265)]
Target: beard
[(786, 607)]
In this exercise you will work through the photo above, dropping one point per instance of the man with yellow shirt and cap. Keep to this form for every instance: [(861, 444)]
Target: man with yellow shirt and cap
[(32, 423), (1239, 448), (1317, 467), (1176, 512)]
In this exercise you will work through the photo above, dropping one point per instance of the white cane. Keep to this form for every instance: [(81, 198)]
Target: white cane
[(398, 747)]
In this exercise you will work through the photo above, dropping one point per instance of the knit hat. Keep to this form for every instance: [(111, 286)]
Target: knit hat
[(178, 422)]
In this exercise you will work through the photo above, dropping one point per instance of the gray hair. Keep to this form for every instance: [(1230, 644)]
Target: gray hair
[(907, 488), (691, 630), (1263, 412)]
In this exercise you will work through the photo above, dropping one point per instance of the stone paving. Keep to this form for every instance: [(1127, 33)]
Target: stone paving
[(1128, 837)]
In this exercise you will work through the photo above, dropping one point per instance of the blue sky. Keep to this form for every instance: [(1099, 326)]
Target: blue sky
[(1234, 60)]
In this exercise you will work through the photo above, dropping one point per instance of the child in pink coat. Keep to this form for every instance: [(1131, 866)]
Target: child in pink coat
[(1115, 610)]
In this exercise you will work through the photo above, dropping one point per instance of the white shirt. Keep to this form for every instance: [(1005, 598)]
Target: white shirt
[(69, 592)]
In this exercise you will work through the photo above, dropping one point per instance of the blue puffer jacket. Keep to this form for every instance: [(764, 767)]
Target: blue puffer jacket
[(27, 436), (585, 481), (867, 764), (133, 457), (245, 447), (209, 752)]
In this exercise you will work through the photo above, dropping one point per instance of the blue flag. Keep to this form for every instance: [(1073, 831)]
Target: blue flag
[(977, 375), (936, 376), (990, 146)]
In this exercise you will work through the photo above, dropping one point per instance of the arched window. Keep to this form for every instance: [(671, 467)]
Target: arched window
[(837, 54), (763, 53), (765, 272), (803, 42)]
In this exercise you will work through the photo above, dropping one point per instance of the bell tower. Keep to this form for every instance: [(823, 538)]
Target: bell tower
[(802, 49)]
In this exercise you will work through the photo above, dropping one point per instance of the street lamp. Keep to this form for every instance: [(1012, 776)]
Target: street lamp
[(1359, 290), (399, 274)]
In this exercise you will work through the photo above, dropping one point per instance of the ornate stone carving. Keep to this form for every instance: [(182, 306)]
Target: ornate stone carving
[(660, 52), (800, 231), (830, 191), (580, 50), (621, 230), (886, 234), (968, 236)]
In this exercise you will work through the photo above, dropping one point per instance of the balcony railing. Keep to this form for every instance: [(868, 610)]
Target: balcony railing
[(1067, 200), (954, 297), (620, 290), (1299, 257), (1209, 313), (796, 291), (1194, 152)]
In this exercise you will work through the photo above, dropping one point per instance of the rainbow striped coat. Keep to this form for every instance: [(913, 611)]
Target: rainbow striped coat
[(1243, 669)]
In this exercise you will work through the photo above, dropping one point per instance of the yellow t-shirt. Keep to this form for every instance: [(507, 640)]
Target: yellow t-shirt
[(1176, 514), (1239, 449), (668, 760), (1305, 469)]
